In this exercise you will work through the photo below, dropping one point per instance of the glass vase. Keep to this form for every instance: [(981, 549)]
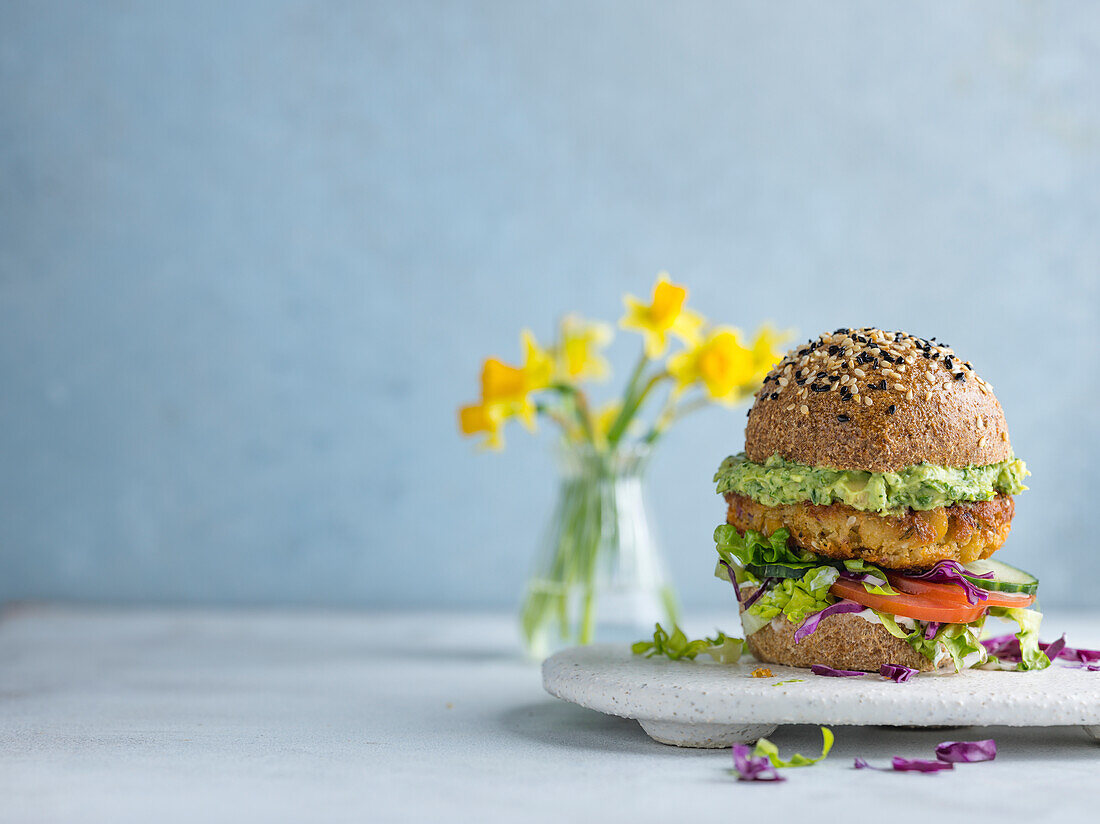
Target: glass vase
[(599, 575)]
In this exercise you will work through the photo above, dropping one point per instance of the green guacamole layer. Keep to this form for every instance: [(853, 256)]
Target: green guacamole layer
[(925, 486)]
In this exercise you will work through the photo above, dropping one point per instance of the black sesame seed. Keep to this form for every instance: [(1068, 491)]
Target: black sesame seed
[(834, 349), (843, 418), (834, 378), (816, 387), (802, 381), (950, 364), (891, 409), (774, 395), (959, 376)]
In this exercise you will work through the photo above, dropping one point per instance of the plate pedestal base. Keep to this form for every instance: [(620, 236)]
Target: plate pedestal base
[(1093, 733), (681, 734)]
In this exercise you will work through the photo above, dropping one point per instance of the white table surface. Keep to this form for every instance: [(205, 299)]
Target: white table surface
[(197, 716)]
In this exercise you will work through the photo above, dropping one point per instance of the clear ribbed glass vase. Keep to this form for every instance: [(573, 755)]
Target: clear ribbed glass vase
[(599, 575)]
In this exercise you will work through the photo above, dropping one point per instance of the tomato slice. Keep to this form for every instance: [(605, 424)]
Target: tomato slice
[(952, 594), (909, 605)]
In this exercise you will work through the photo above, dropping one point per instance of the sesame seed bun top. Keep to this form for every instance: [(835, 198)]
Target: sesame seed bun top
[(878, 401)]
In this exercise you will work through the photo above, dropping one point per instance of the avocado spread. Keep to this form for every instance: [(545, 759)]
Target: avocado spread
[(925, 486)]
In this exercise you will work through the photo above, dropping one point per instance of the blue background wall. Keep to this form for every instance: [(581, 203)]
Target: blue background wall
[(252, 253)]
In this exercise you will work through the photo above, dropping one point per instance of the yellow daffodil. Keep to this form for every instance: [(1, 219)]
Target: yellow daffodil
[(605, 416), (508, 388), (664, 314), (578, 356), (766, 351), (724, 367), (478, 418)]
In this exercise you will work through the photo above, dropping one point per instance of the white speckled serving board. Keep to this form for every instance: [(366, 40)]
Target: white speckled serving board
[(704, 704)]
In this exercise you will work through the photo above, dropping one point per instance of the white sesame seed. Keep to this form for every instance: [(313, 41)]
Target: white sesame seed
[(899, 387), (805, 410), (790, 408), (928, 394), (783, 381), (868, 401), (981, 441), (859, 373), (909, 395)]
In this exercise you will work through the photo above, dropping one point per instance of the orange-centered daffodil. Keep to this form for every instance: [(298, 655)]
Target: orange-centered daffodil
[(478, 418), (508, 388), (724, 367), (664, 314)]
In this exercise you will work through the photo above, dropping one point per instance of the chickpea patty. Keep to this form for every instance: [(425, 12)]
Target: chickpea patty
[(911, 539)]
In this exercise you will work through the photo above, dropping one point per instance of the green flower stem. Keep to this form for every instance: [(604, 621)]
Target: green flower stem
[(580, 408), (630, 403), (564, 594)]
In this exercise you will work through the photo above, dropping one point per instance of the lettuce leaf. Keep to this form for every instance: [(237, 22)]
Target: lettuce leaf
[(795, 598), (676, 646), (959, 641), (756, 549), (767, 749), (1028, 620), (874, 579)]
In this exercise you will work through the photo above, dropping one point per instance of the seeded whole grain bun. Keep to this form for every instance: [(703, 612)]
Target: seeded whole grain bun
[(866, 399), (842, 641)]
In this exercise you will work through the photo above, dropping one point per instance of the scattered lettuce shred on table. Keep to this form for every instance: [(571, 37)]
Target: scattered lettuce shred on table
[(676, 646), (762, 762)]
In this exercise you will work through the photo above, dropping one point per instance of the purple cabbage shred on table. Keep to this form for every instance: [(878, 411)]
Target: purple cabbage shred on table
[(751, 767)]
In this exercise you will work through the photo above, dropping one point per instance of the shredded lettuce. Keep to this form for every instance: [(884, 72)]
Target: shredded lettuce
[(676, 646), (873, 579), (766, 748), (796, 598), (1032, 656), (959, 641)]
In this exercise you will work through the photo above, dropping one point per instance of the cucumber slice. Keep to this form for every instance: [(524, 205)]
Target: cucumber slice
[(778, 571), (1005, 578)]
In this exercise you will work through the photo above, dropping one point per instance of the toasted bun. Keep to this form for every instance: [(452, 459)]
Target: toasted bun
[(841, 641), (824, 405)]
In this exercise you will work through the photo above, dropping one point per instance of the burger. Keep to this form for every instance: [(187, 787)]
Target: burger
[(876, 483)]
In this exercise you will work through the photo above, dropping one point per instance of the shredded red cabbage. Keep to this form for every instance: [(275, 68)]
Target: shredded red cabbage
[(1003, 647), (906, 765), (931, 630), (897, 672), (967, 752), (821, 669), (949, 572), (1054, 649), (733, 580), (1007, 648), (1084, 656), (809, 626), (764, 586), (753, 768)]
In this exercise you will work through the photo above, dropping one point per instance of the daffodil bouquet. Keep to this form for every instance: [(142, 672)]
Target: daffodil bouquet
[(600, 566)]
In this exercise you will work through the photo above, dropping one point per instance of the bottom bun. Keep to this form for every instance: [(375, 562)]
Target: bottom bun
[(843, 641)]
